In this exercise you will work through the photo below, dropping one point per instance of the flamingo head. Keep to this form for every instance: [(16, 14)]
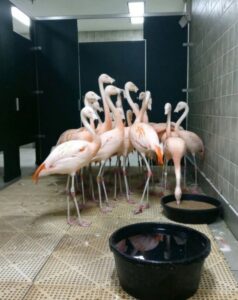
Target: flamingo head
[(180, 105), (130, 86), (167, 108), (106, 79), (112, 90), (141, 96), (88, 112), (96, 106), (150, 104), (92, 97)]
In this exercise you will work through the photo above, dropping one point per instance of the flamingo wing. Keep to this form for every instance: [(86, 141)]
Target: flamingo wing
[(65, 150)]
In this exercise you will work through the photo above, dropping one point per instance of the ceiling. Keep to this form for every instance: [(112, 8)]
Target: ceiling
[(95, 10)]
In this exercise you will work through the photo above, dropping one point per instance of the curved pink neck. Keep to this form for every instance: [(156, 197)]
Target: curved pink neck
[(107, 118)]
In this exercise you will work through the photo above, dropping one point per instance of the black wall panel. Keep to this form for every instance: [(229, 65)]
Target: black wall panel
[(57, 70), (8, 114), (124, 61), (166, 63), (24, 77)]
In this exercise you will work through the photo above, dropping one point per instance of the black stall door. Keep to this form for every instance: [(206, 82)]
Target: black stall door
[(8, 113), (24, 99), (166, 63), (57, 84)]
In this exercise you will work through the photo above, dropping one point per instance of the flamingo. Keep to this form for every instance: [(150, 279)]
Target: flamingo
[(111, 143), (193, 142), (69, 157), (80, 133), (129, 116), (145, 140), (107, 124), (175, 149)]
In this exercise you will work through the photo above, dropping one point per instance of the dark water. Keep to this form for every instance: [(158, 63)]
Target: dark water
[(161, 246)]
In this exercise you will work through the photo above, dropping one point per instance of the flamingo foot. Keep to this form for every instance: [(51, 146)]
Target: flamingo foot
[(147, 205), (106, 209), (139, 209), (71, 221), (131, 201), (84, 223)]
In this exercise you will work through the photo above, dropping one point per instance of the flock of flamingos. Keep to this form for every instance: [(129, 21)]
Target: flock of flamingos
[(78, 148)]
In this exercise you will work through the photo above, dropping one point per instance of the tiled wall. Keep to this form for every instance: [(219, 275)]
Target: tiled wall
[(214, 97)]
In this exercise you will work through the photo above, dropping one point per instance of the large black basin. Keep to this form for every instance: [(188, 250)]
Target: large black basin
[(192, 216), (159, 261)]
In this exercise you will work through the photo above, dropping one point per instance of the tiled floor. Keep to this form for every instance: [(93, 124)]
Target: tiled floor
[(42, 257)]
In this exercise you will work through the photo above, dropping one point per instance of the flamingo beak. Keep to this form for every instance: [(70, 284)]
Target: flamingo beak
[(159, 154), (112, 80)]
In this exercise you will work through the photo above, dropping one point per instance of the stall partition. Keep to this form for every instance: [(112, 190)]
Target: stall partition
[(8, 111), (166, 62), (57, 81)]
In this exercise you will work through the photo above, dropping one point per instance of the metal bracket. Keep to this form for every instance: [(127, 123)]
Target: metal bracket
[(188, 44), (38, 92), (36, 48)]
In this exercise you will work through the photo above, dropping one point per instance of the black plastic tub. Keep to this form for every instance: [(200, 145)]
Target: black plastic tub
[(192, 216), (159, 261)]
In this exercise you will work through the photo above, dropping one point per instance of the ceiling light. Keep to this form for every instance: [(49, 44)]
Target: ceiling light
[(136, 10), (20, 16)]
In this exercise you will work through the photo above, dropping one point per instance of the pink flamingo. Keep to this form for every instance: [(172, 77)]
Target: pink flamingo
[(129, 116), (175, 149), (193, 142), (68, 158), (80, 133), (107, 124), (125, 150), (111, 143), (145, 140)]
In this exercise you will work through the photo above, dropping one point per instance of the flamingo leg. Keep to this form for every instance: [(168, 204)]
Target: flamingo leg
[(115, 181), (67, 199), (142, 206), (196, 170), (101, 180), (82, 185), (185, 171), (128, 161), (119, 174), (177, 170), (91, 182), (165, 174), (152, 169), (126, 181), (73, 194)]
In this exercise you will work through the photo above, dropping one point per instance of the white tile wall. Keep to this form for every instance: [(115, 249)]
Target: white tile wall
[(214, 97)]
